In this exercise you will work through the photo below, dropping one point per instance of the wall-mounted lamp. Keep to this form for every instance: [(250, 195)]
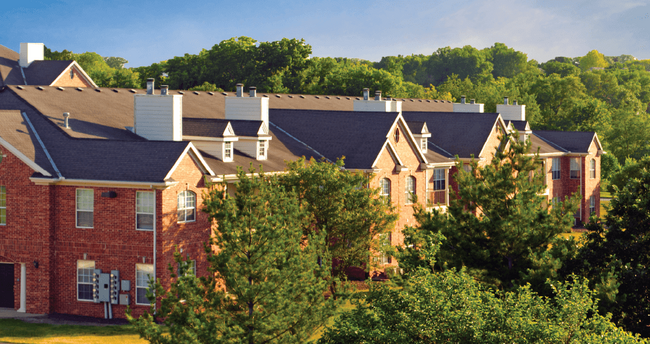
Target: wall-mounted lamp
[(109, 194), (36, 264)]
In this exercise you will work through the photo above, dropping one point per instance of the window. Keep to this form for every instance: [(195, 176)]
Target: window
[(555, 168), (85, 208), (227, 150), (385, 240), (3, 205), (410, 189), (144, 210), (396, 136), (71, 73), (439, 179), (423, 145), (556, 201), (85, 270), (592, 168), (143, 273), (191, 269), (262, 149), (592, 205), (385, 189), (467, 167), (575, 168), (186, 206)]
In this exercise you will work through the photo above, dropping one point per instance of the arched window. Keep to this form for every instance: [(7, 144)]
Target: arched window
[(410, 189), (592, 168), (186, 206), (385, 189)]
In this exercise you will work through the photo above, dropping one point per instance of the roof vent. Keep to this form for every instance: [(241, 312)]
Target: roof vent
[(133, 91), (252, 91), (20, 87), (472, 101), (116, 90), (224, 93), (462, 99), (164, 90), (358, 98), (40, 88), (348, 98), (514, 102), (211, 93), (66, 123), (366, 93), (265, 96), (327, 97), (278, 96), (79, 89), (181, 92), (98, 90), (428, 101), (196, 92), (150, 84), (240, 90), (290, 96), (317, 97), (377, 95), (338, 97), (60, 88), (301, 96)]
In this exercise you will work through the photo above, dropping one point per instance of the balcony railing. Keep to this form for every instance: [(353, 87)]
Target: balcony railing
[(436, 198)]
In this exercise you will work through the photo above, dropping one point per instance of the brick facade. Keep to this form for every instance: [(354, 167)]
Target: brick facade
[(77, 79)]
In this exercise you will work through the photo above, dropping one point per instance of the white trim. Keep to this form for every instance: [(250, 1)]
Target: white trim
[(76, 207), (100, 183), (207, 138), (505, 131), (77, 279), (13, 150), (255, 138), (391, 150), (153, 213), (81, 70), (184, 205), (198, 158), (147, 287)]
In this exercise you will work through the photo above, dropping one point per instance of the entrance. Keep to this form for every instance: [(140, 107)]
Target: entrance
[(7, 285)]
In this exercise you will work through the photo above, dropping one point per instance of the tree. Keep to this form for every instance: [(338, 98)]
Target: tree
[(499, 220), (115, 62), (593, 59), (507, 62), (451, 307), (349, 214), (266, 280), (616, 254)]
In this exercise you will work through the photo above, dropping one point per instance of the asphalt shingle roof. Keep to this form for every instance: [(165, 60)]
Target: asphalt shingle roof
[(45, 72), (571, 141)]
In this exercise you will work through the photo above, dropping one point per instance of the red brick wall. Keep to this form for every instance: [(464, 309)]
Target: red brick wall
[(26, 237), (76, 81)]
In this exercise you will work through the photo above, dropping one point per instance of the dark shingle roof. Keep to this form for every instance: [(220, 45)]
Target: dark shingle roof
[(246, 127), (359, 136), (571, 141), (415, 126), (206, 127), (457, 133), (9, 68), (45, 72), (519, 125)]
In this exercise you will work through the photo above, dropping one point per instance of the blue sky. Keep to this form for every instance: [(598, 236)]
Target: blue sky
[(145, 32)]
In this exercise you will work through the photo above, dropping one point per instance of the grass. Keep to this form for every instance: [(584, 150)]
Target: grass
[(18, 331)]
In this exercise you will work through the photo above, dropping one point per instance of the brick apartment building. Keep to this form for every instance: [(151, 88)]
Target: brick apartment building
[(112, 179)]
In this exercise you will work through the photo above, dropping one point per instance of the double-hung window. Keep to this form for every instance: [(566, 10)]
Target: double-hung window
[(227, 150), (143, 273), (575, 168), (592, 204), (144, 210), (261, 154), (385, 189), (3, 205), (85, 270), (439, 179), (385, 240), (423, 145), (592, 168), (556, 168), (85, 208), (186, 206), (410, 189)]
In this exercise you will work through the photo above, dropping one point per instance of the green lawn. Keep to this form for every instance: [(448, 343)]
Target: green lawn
[(17, 331)]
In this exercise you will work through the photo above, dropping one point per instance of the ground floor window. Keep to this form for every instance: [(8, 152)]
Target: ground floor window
[(143, 273), (592, 205), (85, 269)]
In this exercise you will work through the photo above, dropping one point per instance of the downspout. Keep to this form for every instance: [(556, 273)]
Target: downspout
[(154, 244), (582, 189)]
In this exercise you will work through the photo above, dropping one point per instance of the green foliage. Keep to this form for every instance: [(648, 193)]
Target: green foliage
[(593, 59), (451, 307), (349, 214), (266, 280), (115, 62), (616, 254), (206, 87), (97, 67), (498, 225), (507, 62)]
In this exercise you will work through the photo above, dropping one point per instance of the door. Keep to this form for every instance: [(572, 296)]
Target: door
[(7, 285)]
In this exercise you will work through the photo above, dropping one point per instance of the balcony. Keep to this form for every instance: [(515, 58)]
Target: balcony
[(436, 199)]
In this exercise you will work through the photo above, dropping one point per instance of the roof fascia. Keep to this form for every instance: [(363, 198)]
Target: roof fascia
[(104, 183), (399, 120), (499, 121), (13, 150), (208, 138), (81, 70), (393, 154)]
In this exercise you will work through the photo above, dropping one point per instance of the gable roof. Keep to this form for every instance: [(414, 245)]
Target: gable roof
[(456, 133), (205, 127), (45, 72), (10, 68), (569, 141)]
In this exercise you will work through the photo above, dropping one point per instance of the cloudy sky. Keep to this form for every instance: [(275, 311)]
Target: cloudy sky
[(145, 32)]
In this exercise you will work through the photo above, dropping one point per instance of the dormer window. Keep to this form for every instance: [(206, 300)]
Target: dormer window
[(261, 153), (227, 151), (423, 145)]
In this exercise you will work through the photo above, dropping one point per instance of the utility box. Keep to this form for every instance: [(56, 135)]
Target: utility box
[(124, 299), (101, 287), (126, 285), (115, 286)]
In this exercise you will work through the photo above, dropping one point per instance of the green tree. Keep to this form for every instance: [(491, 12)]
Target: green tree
[(343, 208), (266, 280), (507, 62), (499, 221), (562, 69), (115, 62), (593, 59), (464, 62)]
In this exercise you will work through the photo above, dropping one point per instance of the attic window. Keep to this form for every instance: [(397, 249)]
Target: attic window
[(71, 73), (396, 135)]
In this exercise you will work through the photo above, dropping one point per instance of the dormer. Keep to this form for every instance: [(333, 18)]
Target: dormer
[(254, 138), (523, 127), (376, 105), (420, 133), (213, 136)]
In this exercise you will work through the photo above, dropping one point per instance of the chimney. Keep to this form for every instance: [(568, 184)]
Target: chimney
[(378, 104), (472, 101), (240, 90), (464, 106), (164, 90), (462, 99), (150, 83), (377, 95), (366, 92), (505, 100), (158, 117), (66, 115), (513, 112), (30, 52), (253, 91), (514, 102)]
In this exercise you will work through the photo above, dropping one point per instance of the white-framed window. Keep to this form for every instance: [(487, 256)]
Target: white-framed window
[(385, 240), (186, 206), (409, 189), (592, 204), (144, 210), (592, 168), (227, 150), (261, 152), (3, 205), (190, 270), (556, 168), (423, 145), (85, 205), (385, 189), (439, 179), (85, 270), (575, 168), (143, 273)]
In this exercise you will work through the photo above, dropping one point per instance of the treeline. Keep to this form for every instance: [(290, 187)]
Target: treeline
[(608, 95)]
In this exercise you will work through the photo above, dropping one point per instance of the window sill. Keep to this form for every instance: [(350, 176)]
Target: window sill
[(144, 230)]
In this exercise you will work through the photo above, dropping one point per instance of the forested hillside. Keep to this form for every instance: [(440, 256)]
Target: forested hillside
[(608, 95)]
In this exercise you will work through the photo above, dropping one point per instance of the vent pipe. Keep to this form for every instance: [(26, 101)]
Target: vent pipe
[(164, 90), (240, 90), (472, 101), (505, 100), (66, 123), (514, 102), (462, 99), (377, 95), (253, 91), (366, 92), (150, 86)]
